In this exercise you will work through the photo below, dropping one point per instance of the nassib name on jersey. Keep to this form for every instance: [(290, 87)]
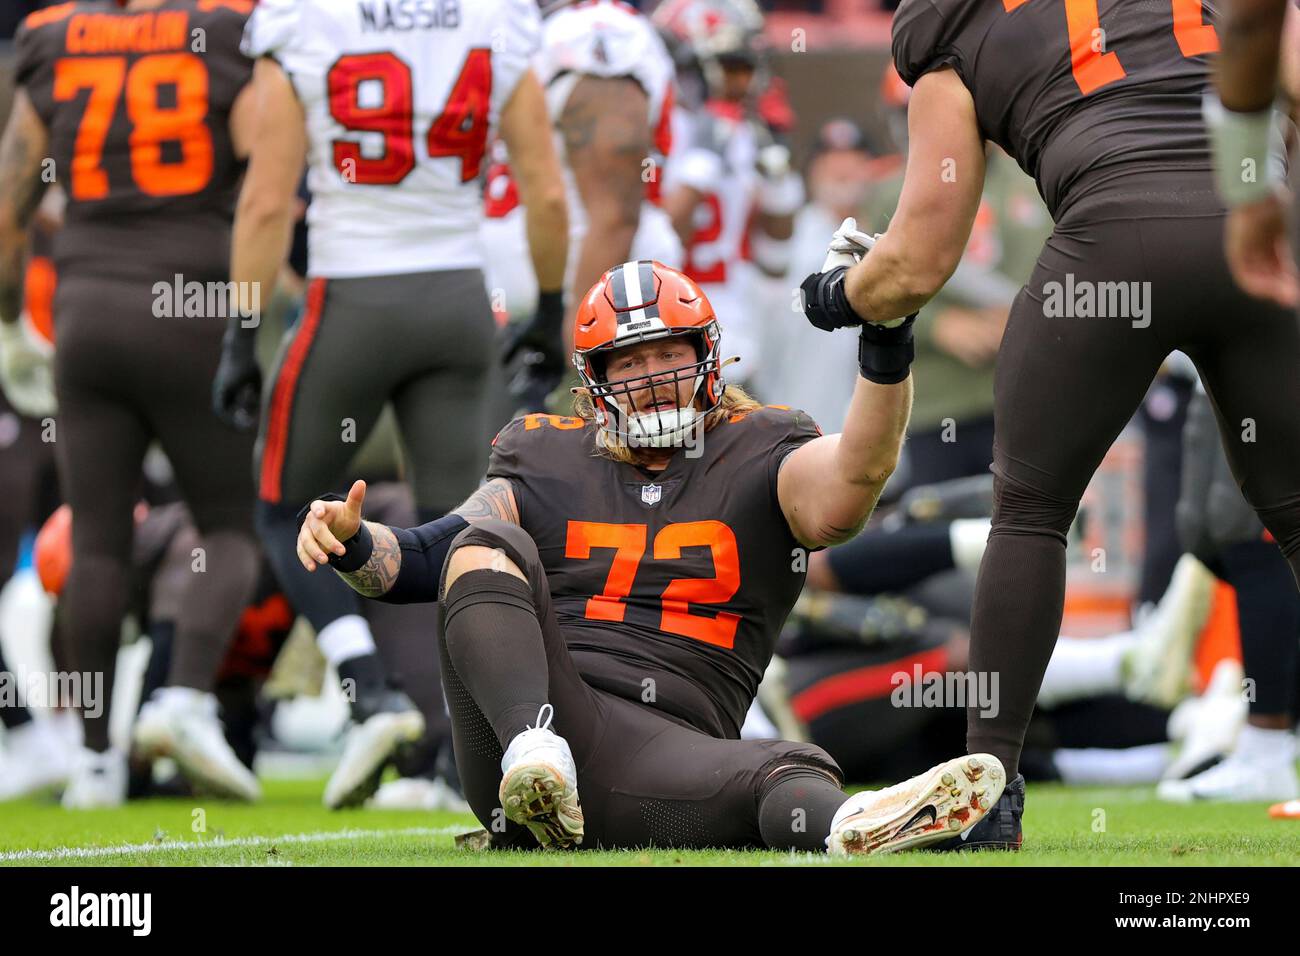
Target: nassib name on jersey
[(378, 16)]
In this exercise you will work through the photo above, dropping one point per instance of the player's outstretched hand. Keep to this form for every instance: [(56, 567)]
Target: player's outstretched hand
[(327, 525), (1259, 252)]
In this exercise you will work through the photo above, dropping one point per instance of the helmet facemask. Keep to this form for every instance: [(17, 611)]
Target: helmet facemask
[(668, 427)]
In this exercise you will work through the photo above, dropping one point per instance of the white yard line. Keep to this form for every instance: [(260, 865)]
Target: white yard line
[(130, 849)]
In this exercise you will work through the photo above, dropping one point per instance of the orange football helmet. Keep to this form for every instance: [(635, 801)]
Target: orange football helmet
[(638, 302)]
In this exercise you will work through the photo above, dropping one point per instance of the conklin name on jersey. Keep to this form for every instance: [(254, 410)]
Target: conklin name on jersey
[(670, 587), (400, 110)]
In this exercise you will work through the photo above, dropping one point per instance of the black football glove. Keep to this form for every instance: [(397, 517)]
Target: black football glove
[(531, 385), (543, 335), (237, 386), (536, 348), (824, 301)]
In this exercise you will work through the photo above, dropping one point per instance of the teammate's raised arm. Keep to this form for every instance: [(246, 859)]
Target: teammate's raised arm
[(941, 194), (400, 566), (606, 130)]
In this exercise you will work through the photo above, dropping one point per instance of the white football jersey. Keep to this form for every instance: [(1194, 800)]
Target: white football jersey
[(401, 101), (717, 155)]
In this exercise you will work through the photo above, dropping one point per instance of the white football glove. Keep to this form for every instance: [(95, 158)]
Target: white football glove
[(25, 372), (847, 247)]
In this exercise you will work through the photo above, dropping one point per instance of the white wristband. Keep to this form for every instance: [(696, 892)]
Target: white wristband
[(1247, 151)]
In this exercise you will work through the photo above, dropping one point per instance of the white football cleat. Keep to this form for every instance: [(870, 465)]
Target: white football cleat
[(35, 758), (943, 802), (539, 785), (98, 780), (181, 723), (418, 793), (383, 721), (1238, 779), (1207, 727), (1158, 669)]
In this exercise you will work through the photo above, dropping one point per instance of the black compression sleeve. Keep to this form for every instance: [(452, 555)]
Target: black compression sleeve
[(424, 550)]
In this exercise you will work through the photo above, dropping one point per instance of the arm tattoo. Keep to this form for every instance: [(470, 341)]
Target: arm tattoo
[(496, 499), (21, 188), (377, 575)]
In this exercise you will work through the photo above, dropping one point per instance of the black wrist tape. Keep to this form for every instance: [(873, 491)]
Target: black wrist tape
[(885, 355), (357, 551)]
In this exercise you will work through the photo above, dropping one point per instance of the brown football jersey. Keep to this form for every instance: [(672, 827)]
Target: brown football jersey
[(137, 105), (670, 587), (1092, 97)]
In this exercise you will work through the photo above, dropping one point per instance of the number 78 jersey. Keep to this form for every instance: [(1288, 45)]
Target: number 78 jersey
[(401, 101)]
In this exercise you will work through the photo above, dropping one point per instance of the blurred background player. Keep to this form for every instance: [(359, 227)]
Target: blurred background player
[(147, 138), (842, 174), (394, 124), (609, 96), (1218, 526), (1258, 243), (729, 188)]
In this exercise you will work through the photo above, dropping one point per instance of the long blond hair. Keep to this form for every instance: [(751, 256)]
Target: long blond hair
[(735, 400)]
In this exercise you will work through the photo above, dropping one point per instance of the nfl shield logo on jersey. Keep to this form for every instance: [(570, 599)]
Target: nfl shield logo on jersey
[(650, 494)]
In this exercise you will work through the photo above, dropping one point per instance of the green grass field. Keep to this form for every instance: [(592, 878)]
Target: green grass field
[(1065, 827)]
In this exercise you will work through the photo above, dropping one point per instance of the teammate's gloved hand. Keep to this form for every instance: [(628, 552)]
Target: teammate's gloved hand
[(25, 372), (237, 386), (532, 384), (543, 334), (539, 346), (327, 525), (825, 303)]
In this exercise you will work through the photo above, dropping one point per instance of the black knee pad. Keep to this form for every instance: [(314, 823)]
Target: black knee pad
[(795, 760), (1019, 509)]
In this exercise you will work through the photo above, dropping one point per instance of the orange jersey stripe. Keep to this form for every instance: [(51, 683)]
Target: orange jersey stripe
[(286, 385)]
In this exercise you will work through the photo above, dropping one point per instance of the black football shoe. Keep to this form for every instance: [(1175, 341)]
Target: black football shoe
[(383, 719), (1000, 828)]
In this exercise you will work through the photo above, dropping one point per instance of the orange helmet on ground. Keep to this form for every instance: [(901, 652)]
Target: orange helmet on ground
[(638, 302)]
